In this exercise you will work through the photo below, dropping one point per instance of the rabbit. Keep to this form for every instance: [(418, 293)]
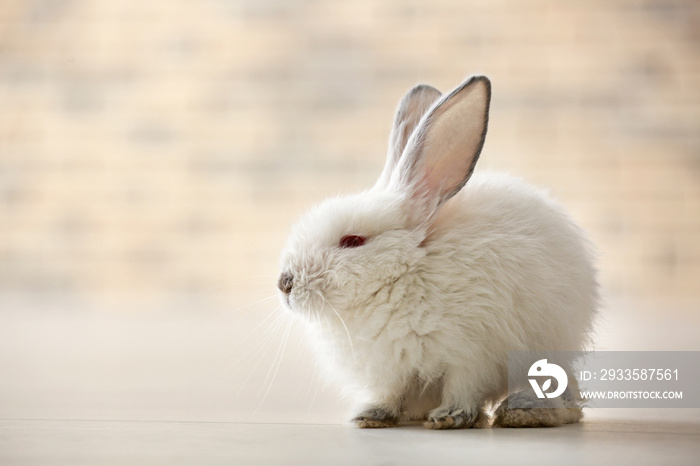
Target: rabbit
[(417, 289)]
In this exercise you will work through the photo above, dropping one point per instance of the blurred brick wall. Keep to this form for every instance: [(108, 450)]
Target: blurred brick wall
[(164, 147)]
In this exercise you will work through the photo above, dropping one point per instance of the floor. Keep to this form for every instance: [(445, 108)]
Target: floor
[(594, 442), (108, 385)]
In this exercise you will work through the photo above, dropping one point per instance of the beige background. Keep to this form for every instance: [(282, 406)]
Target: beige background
[(154, 154)]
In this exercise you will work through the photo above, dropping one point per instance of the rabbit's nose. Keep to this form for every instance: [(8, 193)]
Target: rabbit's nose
[(286, 282)]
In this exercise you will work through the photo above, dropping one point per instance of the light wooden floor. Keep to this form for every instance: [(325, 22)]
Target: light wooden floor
[(151, 443), (191, 385)]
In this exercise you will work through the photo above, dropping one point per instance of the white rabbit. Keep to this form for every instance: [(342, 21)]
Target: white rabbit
[(418, 289)]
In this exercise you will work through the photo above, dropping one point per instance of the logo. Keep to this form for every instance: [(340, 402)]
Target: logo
[(542, 368)]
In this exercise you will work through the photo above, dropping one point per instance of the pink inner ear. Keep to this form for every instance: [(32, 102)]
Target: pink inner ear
[(352, 241), (454, 132)]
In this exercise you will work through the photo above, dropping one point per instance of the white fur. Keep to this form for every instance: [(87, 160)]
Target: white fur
[(422, 317)]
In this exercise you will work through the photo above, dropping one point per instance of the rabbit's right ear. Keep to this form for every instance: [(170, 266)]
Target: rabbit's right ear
[(441, 153), (411, 109)]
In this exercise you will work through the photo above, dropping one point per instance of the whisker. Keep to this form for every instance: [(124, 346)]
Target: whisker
[(264, 344), (278, 316), (261, 252), (330, 332), (244, 308), (276, 363), (314, 385), (347, 331)]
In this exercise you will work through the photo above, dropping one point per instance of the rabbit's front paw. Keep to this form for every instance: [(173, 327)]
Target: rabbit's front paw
[(451, 418), (375, 417)]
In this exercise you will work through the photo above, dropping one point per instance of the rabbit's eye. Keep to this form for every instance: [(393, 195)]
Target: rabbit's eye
[(352, 241)]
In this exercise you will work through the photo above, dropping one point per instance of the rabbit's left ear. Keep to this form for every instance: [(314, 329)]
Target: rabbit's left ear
[(441, 153), (411, 109)]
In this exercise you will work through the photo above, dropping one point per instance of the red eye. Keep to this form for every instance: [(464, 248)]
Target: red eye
[(352, 241)]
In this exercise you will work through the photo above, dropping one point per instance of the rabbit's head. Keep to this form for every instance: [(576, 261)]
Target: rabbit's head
[(347, 250)]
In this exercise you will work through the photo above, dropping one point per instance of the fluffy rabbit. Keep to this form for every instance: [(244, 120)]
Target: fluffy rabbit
[(418, 288)]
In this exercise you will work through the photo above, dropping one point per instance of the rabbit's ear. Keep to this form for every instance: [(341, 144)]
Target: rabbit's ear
[(441, 153), (411, 109)]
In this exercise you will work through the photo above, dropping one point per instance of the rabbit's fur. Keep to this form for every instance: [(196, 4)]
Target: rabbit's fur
[(418, 321)]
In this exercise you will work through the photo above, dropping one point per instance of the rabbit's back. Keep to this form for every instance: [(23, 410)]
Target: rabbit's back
[(511, 268)]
